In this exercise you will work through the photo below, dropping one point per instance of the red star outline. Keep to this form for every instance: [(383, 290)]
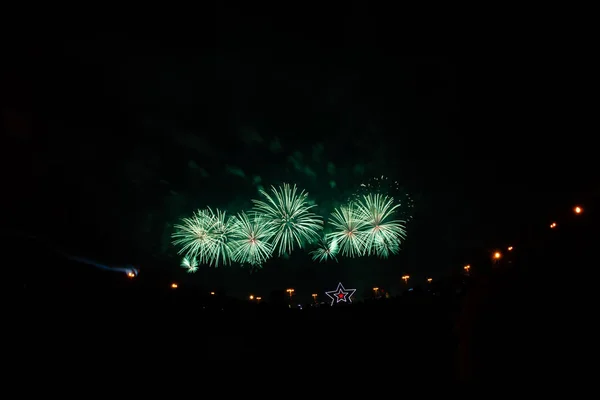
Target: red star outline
[(341, 294)]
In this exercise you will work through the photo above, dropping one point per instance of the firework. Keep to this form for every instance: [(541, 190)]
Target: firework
[(388, 187), (289, 215), (383, 233), (384, 248), (371, 223), (191, 264), (327, 250), (348, 230), (251, 238), (221, 232), (193, 235), (206, 237)]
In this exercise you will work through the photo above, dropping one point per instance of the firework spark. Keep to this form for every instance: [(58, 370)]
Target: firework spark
[(206, 237), (193, 235), (221, 231), (348, 230), (327, 250), (290, 216), (388, 187), (191, 264), (383, 233), (251, 238)]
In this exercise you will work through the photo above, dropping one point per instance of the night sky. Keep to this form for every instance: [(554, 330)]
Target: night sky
[(112, 137)]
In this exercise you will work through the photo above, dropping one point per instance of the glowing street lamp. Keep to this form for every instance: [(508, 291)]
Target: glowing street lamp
[(251, 297), (174, 286), (553, 225), (131, 274), (467, 268), (258, 298), (496, 257), (290, 291), (314, 296), (405, 278), (212, 293), (510, 248), (429, 280), (577, 210)]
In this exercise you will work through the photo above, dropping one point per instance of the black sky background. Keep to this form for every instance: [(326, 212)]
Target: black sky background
[(100, 134)]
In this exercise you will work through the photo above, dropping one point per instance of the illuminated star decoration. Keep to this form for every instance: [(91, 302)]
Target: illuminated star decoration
[(341, 294)]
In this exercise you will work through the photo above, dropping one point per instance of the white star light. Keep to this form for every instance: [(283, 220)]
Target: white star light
[(341, 294)]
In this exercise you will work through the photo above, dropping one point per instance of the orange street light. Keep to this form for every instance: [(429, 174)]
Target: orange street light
[(496, 257), (290, 291), (131, 274), (553, 225), (406, 278), (577, 210), (510, 248), (429, 280), (258, 298), (212, 293), (174, 286), (251, 297)]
